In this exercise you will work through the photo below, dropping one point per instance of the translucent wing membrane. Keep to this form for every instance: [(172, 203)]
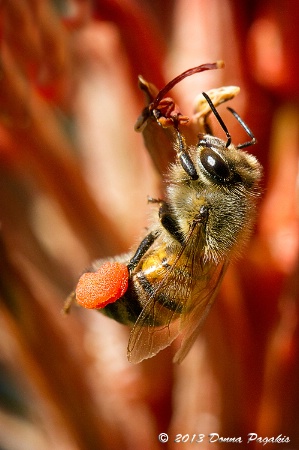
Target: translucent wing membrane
[(179, 302), (202, 300)]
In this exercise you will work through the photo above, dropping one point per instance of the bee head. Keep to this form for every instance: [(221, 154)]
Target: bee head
[(225, 166), (225, 189), (211, 160)]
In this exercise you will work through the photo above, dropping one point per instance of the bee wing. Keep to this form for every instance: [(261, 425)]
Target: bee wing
[(201, 300), (146, 343), (147, 338), (192, 281), (197, 292)]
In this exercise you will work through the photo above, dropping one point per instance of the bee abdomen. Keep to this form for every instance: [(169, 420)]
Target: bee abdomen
[(163, 298), (151, 284), (126, 309)]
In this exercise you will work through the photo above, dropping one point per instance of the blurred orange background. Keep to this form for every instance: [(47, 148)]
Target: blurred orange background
[(74, 184)]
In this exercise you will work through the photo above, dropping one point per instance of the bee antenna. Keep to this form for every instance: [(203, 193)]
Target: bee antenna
[(217, 115), (246, 128)]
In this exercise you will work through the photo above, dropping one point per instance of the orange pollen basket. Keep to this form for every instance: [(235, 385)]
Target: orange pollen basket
[(106, 285)]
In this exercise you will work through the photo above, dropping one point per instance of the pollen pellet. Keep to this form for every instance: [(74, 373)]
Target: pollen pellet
[(106, 285)]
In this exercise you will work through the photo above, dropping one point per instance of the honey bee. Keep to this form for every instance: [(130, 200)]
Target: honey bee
[(168, 285)]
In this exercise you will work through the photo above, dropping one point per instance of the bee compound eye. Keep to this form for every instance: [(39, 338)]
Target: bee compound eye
[(215, 165)]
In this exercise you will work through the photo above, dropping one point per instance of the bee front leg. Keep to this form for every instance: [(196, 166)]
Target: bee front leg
[(167, 220)]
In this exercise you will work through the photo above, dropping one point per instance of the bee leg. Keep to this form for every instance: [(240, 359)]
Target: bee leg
[(68, 303), (184, 157), (146, 243), (169, 223), (167, 220)]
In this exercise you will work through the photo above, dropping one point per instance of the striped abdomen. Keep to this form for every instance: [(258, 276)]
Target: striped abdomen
[(155, 280)]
